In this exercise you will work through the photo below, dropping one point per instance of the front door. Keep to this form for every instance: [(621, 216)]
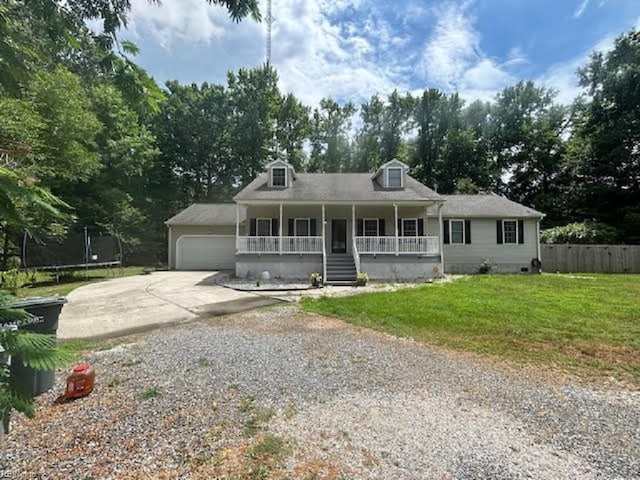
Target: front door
[(339, 235)]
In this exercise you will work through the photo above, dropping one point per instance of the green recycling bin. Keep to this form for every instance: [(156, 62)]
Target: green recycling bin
[(44, 319)]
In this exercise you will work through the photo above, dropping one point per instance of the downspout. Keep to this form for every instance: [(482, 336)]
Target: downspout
[(441, 240), (395, 210), (538, 251)]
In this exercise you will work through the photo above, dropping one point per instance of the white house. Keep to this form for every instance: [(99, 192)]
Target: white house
[(387, 224)]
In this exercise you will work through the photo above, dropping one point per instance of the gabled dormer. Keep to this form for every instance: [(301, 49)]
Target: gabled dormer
[(280, 174), (391, 175)]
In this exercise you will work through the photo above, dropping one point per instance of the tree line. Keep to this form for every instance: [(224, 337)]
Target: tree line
[(82, 121)]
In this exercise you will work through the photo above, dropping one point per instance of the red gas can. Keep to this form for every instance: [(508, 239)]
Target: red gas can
[(80, 382)]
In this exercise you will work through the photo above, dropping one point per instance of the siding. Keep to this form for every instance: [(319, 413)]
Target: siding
[(505, 258)]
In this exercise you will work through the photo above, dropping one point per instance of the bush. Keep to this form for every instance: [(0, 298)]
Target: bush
[(485, 266), (580, 233)]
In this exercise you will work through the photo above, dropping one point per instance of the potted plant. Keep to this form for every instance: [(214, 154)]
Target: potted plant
[(362, 279), (316, 279)]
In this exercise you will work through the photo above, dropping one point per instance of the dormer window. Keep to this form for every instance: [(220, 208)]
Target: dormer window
[(394, 177), (278, 177)]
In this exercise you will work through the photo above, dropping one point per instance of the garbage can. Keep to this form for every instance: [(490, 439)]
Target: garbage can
[(44, 319)]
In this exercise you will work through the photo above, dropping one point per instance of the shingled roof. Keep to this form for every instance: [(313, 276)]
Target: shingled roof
[(342, 187), (491, 205), (208, 214)]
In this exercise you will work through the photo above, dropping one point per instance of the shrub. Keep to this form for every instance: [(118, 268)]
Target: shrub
[(581, 233), (485, 266)]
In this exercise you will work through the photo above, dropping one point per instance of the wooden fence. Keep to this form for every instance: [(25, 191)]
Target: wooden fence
[(591, 258)]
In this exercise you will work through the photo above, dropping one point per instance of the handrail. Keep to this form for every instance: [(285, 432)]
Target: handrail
[(324, 261), (356, 255)]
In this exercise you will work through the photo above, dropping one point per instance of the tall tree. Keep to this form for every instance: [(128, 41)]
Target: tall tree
[(330, 141), (293, 127), (606, 148), (528, 130)]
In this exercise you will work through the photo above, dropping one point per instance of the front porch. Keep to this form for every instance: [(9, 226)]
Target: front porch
[(392, 235)]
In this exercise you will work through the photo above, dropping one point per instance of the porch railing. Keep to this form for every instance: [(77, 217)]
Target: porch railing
[(405, 245), (272, 245)]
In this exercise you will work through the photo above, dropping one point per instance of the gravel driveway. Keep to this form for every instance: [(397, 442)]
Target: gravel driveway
[(276, 393)]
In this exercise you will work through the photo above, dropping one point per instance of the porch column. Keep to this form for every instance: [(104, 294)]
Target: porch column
[(426, 228), (395, 224), (237, 225), (353, 224), (324, 229), (441, 241), (280, 232)]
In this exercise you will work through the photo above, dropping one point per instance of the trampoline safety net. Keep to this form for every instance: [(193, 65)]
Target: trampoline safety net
[(74, 251)]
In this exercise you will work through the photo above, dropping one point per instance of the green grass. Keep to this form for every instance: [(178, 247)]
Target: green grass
[(44, 283), (587, 321)]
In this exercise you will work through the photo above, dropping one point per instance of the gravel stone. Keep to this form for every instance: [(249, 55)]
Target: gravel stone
[(351, 403)]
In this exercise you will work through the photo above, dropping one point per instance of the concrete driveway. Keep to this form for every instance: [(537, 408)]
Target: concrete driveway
[(130, 304)]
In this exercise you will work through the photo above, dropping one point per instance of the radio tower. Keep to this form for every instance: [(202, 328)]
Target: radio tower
[(269, 20)]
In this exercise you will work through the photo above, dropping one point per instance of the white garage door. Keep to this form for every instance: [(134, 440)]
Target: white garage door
[(205, 252)]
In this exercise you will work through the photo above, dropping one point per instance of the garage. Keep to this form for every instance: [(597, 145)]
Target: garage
[(203, 236), (205, 252)]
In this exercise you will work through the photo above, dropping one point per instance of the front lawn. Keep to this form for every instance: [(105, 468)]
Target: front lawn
[(587, 321)]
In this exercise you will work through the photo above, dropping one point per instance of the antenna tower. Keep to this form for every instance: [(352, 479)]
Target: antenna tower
[(269, 22)]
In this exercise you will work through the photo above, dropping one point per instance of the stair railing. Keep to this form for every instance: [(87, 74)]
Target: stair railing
[(356, 255)]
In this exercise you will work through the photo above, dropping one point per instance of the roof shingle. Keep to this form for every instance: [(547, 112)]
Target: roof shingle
[(490, 205), (208, 214)]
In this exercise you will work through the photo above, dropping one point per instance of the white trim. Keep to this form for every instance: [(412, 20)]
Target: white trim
[(295, 226), (388, 171), (286, 180), (182, 237), (402, 220), (441, 239), (270, 226), (504, 240), (464, 231), (364, 227)]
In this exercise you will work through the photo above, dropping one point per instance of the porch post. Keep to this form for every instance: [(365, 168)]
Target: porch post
[(441, 241), (280, 232), (353, 224), (323, 226), (395, 224), (237, 225)]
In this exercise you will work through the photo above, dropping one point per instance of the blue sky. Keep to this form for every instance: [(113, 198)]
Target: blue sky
[(352, 49)]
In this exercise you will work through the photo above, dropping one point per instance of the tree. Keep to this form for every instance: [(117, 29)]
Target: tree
[(292, 129), (606, 148), (527, 139), (330, 141)]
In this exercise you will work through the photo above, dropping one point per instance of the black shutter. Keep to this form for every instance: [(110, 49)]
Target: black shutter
[(290, 229), (467, 231), (399, 227), (420, 227), (312, 227), (274, 227), (520, 231), (252, 227), (445, 233), (360, 229), (381, 229), (499, 231)]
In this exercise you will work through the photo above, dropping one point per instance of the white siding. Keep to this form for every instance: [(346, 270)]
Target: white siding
[(505, 258)]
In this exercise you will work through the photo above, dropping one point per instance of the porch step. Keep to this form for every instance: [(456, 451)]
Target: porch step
[(341, 270)]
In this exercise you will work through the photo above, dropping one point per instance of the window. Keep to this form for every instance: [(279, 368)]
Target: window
[(457, 231), (302, 227), (510, 231), (263, 227), (409, 227), (371, 227), (279, 177), (394, 177)]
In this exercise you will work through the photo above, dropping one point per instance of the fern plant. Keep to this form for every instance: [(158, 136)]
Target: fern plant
[(36, 350)]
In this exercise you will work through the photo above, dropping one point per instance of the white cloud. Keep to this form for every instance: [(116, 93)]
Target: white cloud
[(452, 47), (581, 8), (454, 61)]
